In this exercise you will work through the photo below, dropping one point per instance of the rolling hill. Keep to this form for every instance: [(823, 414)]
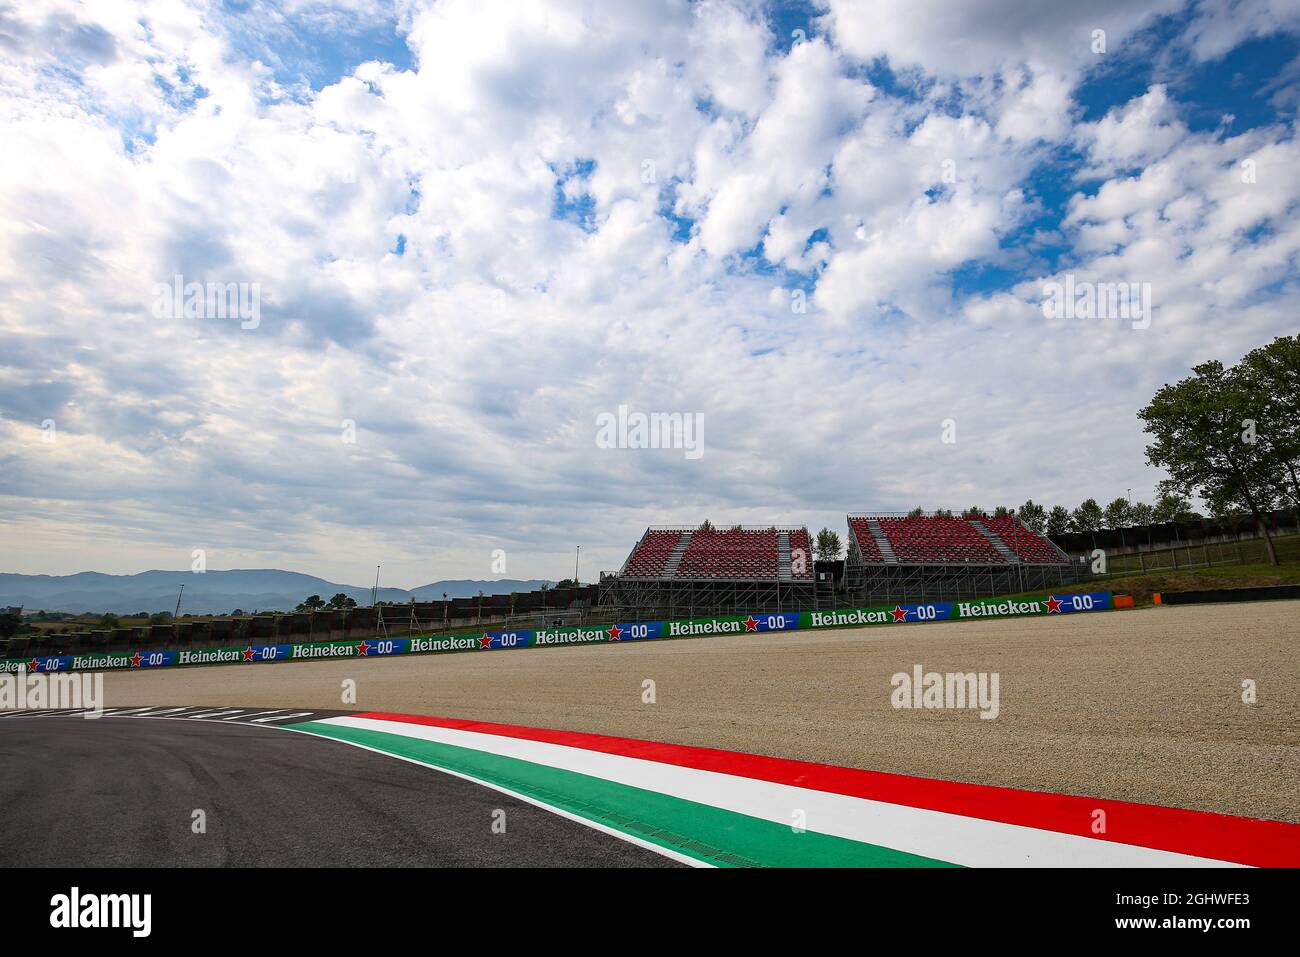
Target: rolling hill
[(215, 592)]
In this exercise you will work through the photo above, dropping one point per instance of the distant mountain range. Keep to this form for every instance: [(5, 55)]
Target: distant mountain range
[(216, 592)]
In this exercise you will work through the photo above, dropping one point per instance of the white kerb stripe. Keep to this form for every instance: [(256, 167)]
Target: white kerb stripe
[(968, 841)]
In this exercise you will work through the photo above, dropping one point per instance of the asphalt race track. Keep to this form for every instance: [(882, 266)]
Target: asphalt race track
[(121, 791), (199, 785)]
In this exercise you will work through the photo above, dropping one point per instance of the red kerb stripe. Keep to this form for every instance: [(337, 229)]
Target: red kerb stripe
[(1222, 837)]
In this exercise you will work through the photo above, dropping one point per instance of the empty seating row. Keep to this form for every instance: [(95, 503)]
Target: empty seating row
[(1028, 545), (949, 539), (651, 553), (801, 545), (733, 553), (867, 546), (759, 554), (722, 554), (939, 539)]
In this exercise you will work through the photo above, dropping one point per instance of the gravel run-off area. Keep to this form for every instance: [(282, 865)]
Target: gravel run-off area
[(1139, 705)]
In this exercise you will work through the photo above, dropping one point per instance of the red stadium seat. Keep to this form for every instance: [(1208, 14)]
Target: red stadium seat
[(1029, 546), (949, 540), (721, 554)]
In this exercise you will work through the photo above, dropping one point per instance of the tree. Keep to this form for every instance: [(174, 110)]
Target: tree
[(9, 624), (1034, 516), (566, 583), (943, 512), (827, 546), (916, 512), (1118, 516), (1087, 517), (1231, 518), (1272, 374), (1200, 437), (1170, 507), (342, 602), (110, 621), (311, 603), (1144, 515), (973, 512), (1002, 511)]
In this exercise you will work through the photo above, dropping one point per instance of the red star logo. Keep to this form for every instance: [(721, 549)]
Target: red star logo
[(363, 648), (900, 614), (136, 659), (1053, 604), (248, 653), (615, 633), (751, 623), (485, 641), (33, 665)]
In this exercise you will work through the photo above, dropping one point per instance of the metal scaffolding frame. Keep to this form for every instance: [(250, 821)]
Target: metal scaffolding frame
[(876, 583), (664, 599)]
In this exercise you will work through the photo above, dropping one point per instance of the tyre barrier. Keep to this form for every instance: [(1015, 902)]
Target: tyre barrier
[(1216, 595)]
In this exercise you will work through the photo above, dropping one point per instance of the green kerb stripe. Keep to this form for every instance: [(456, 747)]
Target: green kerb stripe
[(705, 833)]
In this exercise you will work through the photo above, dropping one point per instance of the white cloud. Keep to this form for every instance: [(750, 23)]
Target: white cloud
[(1220, 26), (475, 362), (1136, 134), (973, 39)]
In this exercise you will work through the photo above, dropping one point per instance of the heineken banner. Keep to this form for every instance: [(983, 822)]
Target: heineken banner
[(757, 624), (896, 615), (1004, 607)]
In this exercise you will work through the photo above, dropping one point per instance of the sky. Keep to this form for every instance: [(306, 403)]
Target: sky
[(469, 231)]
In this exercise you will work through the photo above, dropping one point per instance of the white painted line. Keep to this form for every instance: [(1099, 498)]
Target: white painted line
[(282, 717)]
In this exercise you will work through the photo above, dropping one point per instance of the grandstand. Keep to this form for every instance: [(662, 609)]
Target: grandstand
[(896, 557), (682, 572), (676, 572)]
